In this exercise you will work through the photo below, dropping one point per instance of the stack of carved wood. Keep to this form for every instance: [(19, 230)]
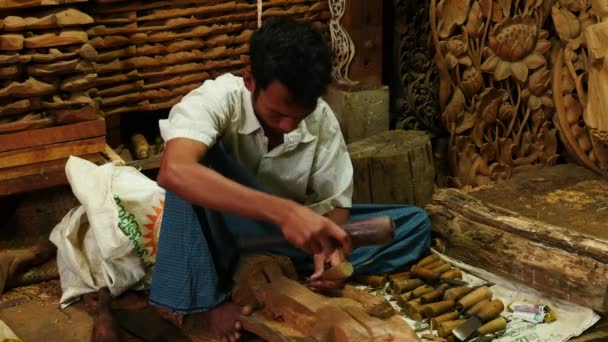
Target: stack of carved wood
[(154, 52), (46, 69), (432, 290), (287, 310)]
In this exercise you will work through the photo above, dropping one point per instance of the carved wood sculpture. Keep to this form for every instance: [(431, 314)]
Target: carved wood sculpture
[(414, 100), (492, 58), (580, 73)]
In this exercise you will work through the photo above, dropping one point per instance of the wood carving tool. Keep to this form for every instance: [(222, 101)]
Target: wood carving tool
[(367, 232), (429, 275), (487, 313)]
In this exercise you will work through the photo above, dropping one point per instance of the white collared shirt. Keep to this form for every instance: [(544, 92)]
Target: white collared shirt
[(312, 166)]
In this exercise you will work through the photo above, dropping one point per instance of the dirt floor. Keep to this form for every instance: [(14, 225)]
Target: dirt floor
[(33, 313)]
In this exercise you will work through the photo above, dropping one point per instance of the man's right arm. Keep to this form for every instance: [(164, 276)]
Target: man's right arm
[(182, 173)]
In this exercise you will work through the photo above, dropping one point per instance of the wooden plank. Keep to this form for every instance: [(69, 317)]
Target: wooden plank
[(37, 176), (554, 260), (362, 21), (52, 135), (51, 152)]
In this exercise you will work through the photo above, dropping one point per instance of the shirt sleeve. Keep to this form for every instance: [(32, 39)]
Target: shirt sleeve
[(331, 178), (201, 115)]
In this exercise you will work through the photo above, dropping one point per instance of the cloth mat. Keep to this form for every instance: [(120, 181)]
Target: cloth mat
[(572, 319)]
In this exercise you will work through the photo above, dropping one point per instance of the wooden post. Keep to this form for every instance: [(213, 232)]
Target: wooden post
[(394, 167)]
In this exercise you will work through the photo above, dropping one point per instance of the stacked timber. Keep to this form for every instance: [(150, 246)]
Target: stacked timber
[(47, 68), (152, 53)]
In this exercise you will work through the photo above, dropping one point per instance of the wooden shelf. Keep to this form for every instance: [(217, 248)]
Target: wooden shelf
[(37, 176)]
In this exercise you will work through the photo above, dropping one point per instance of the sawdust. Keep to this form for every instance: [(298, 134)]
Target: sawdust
[(582, 195)]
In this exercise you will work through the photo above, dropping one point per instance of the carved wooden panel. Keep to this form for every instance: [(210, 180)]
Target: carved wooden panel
[(493, 58), (580, 77), (415, 81)]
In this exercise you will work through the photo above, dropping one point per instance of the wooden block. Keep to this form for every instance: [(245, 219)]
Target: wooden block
[(53, 55), (51, 152), (394, 167), (14, 58), (362, 113), (555, 260), (375, 306), (78, 82), (36, 176)]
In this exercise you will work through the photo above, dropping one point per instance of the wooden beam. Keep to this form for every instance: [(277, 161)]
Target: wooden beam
[(37, 176), (52, 135), (554, 260), (51, 152)]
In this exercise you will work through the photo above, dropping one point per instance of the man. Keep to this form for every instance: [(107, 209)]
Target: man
[(259, 155)]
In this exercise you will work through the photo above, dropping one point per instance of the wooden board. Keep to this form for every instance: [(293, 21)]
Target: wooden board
[(393, 167), (51, 152), (555, 260), (52, 135), (36, 176), (362, 21), (567, 195)]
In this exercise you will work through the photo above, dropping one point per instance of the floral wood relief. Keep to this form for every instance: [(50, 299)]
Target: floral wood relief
[(414, 88), (493, 61), (580, 83)]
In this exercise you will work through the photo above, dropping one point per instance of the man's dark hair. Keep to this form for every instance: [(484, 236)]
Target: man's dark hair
[(294, 53)]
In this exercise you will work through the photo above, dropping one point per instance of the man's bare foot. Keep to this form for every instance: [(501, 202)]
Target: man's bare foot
[(222, 322)]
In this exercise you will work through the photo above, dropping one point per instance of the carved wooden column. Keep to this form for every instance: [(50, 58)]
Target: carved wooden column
[(357, 95)]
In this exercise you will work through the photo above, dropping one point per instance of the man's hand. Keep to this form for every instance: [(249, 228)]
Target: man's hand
[(312, 232), (321, 262)]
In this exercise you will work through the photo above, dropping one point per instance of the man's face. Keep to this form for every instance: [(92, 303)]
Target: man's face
[(275, 109)]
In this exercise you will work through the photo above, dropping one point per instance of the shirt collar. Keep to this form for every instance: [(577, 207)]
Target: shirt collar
[(251, 124)]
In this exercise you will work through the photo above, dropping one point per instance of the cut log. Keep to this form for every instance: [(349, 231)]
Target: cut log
[(108, 80), (76, 100), (16, 107), (11, 42), (14, 58), (66, 37), (109, 42), (78, 82), (554, 260), (29, 88), (6, 4), (54, 55), (62, 18), (10, 72), (128, 51), (361, 113), (102, 30), (74, 115), (122, 89), (175, 81), (26, 122), (394, 167), (57, 68)]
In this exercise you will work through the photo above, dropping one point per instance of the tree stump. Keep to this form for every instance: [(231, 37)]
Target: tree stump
[(393, 167)]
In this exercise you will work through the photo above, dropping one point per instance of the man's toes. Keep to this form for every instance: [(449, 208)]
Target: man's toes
[(237, 325), (246, 310), (232, 338), (237, 335)]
